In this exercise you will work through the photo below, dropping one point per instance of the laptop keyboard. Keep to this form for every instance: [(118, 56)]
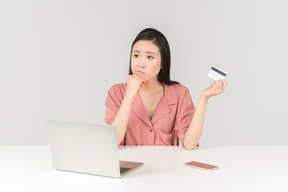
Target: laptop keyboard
[(123, 169)]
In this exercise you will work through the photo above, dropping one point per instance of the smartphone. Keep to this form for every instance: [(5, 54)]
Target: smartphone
[(202, 165)]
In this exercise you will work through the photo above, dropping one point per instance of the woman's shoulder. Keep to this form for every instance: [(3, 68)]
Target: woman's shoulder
[(180, 89), (179, 94), (118, 88)]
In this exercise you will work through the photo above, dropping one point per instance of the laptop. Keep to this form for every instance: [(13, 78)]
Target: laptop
[(87, 148)]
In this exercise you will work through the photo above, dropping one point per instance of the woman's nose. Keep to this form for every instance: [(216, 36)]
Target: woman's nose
[(142, 64)]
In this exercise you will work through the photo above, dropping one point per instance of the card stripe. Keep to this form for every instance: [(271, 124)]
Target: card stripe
[(218, 71)]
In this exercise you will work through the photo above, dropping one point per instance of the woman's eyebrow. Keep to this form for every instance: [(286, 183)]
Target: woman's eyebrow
[(146, 51)]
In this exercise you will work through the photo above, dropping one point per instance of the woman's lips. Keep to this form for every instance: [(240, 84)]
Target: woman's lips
[(139, 72)]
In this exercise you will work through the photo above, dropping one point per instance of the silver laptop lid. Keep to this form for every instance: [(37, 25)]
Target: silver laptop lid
[(84, 148)]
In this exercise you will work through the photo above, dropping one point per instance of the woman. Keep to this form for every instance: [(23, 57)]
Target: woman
[(150, 109)]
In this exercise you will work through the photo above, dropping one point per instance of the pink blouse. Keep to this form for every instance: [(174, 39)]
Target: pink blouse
[(169, 123)]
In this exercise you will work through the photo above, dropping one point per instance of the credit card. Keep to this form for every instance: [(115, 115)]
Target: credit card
[(216, 73)]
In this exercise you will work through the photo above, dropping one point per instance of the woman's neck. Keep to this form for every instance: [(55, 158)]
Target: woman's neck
[(152, 86)]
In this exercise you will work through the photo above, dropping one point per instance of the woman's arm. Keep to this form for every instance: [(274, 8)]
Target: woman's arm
[(195, 129), (121, 119)]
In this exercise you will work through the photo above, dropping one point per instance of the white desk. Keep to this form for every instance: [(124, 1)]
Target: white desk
[(242, 168)]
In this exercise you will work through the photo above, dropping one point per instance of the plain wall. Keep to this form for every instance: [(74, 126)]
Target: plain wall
[(59, 58)]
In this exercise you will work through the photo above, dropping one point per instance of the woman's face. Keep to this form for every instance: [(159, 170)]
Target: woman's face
[(145, 60)]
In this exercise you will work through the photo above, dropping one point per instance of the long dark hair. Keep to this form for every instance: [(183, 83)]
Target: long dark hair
[(161, 42)]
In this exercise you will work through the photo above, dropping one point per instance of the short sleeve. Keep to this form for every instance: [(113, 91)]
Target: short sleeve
[(186, 110), (113, 102)]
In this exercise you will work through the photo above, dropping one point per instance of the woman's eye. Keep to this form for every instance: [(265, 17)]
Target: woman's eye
[(136, 56), (150, 57)]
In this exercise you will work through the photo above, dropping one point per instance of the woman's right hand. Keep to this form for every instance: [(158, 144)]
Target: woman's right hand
[(134, 82)]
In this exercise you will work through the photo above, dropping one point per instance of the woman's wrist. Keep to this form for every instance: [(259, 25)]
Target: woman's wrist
[(128, 99), (204, 97)]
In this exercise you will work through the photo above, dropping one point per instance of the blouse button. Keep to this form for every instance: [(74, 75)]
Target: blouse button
[(150, 130)]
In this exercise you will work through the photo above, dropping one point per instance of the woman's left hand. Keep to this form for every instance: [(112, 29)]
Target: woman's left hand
[(216, 88)]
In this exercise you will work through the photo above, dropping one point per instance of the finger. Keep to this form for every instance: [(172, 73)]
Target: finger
[(222, 83), (225, 84), (129, 77), (222, 86), (141, 79), (218, 87), (213, 85), (214, 88), (134, 78)]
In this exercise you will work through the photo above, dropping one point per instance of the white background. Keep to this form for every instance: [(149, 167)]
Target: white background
[(59, 58)]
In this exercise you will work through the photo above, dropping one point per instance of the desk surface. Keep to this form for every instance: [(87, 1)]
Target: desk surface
[(242, 168)]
